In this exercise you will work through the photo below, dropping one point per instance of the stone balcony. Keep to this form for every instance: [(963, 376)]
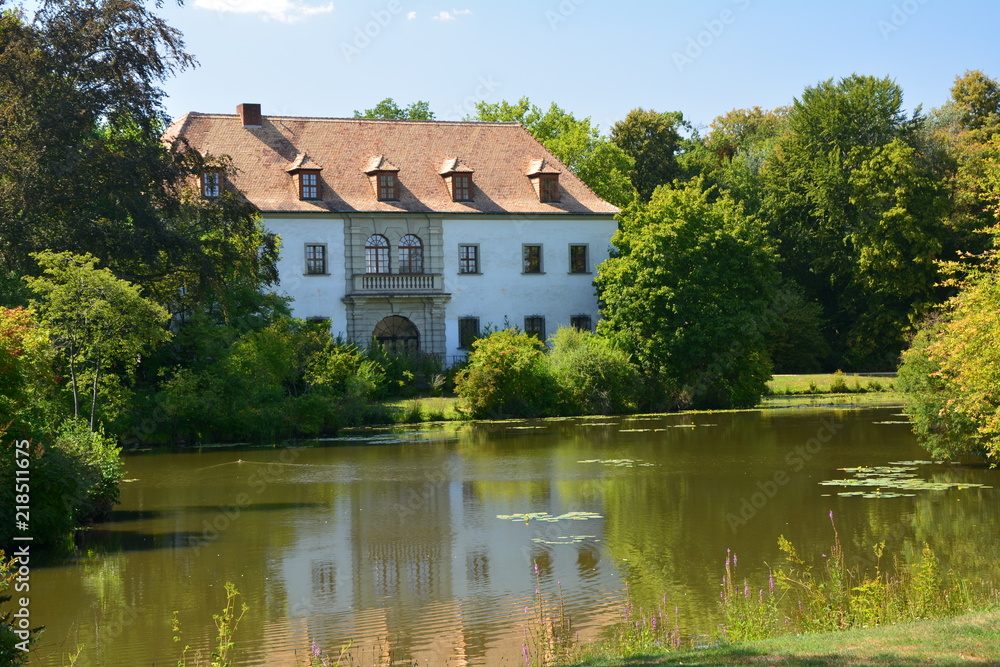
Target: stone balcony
[(392, 283)]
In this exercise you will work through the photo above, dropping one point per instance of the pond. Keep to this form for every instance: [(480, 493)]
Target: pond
[(429, 536)]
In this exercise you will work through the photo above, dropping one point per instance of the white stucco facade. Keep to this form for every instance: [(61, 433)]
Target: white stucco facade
[(500, 292)]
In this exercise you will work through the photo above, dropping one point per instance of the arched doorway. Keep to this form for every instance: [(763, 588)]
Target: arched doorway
[(397, 333)]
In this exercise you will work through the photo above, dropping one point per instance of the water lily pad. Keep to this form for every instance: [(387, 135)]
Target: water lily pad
[(548, 518), (890, 480), (569, 539)]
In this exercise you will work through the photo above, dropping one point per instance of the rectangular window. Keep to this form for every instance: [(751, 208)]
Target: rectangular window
[(548, 188), (387, 186), (308, 185), (468, 331), (315, 259), (461, 187), (578, 259), (581, 322), (535, 326), (211, 184), (468, 259), (531, 256)]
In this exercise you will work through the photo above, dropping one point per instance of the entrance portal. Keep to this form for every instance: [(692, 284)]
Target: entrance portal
[(398, 334)]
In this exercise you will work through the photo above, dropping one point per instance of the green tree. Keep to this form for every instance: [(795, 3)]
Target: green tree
[(595, 377), (388, 109), (686, 296), (599, 163), (653, 141), (508, 375), (951, 372), (100, 324), (83, 164), (856, 208)]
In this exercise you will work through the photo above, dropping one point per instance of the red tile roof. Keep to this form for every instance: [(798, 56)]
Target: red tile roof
[(499, 154)]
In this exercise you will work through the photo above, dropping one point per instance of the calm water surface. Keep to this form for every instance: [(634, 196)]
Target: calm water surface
[(405, 534)]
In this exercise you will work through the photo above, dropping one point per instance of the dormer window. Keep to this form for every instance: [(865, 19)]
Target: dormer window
[(548, 188), (458, 177), (384, 178), (309, 185), (387, 190), (545, 179), (305, 171), (461, 187), (211, 184)]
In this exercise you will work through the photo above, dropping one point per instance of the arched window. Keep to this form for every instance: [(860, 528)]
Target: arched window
[(397, 333), (377, 254), (411, 254)]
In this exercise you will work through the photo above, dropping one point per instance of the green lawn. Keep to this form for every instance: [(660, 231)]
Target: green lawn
[(973, 639), (826, 383)]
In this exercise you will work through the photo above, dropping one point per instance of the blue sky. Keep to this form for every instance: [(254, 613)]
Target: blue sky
[(594, 58)]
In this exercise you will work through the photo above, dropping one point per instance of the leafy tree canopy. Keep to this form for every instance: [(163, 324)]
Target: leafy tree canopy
[(856, 207), (687, 298), (576, 142), (387, 109), (100, 323), (653, 141)]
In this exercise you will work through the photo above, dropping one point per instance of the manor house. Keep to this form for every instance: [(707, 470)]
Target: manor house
[(416, 233)]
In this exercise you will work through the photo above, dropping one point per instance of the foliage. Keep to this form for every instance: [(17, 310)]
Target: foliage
[(687, 298), (507, 375), (951, 372), (801, 597), (287, 379), (10, 654), (100, 324), (27, 375), (653, 141), (601, 164), (796, 343), (78, 469), (855, 205), (226, 624), (595, 378), (389, 110)]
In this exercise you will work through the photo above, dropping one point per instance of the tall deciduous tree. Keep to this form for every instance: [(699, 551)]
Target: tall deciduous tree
[(387, 109), (687, 296), (653, 141), (100, 323), (83, 166), (602, 165), (856, 207)]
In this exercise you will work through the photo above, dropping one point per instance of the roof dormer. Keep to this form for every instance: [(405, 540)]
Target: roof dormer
[(458, 178), (384, 178), (305, 170), (545, 179)]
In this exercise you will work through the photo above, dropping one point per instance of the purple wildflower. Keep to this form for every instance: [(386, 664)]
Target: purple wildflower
[(316, 650)]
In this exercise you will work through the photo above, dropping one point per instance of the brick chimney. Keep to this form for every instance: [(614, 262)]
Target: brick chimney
[(249, 114)]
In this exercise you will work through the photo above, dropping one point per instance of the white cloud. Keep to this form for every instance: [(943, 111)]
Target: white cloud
[(285, 11), (410, 16), (452, 15)]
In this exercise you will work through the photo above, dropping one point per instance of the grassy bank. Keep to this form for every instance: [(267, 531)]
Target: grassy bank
[(830, 383), (858, 387), (971, 639)]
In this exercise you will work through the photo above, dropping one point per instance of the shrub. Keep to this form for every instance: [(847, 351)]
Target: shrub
[(508, 375), (79, 473), (595, 377)]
